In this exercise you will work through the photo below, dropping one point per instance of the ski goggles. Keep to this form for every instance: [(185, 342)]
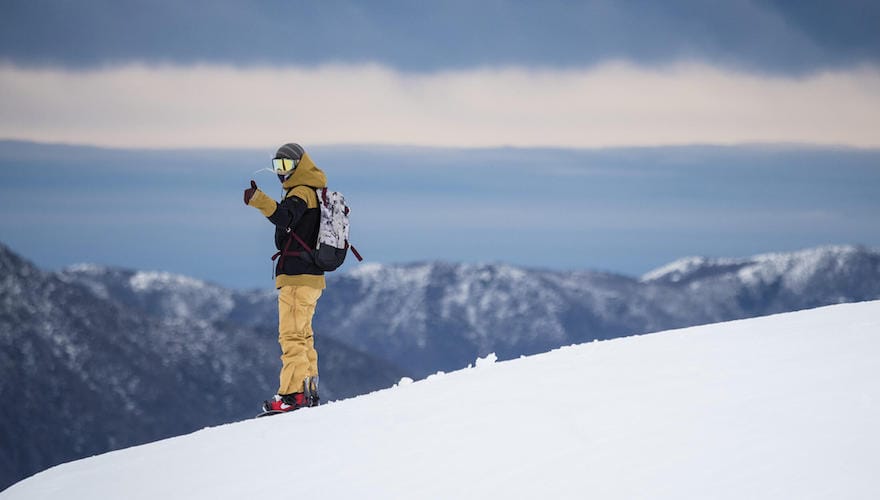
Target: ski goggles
[(284, 166)]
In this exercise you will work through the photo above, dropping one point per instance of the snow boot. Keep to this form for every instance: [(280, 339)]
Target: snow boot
[(311, 391), (286, 402)]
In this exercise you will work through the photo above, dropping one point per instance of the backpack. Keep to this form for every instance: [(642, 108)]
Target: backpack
[(333, 243)]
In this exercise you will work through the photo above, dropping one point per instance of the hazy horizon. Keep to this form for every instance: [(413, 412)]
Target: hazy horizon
[(621, 210)]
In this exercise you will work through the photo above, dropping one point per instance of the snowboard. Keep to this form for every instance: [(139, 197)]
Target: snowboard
[(270, 413)]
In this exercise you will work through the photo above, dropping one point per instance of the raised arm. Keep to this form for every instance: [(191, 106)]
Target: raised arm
[(284, 215)]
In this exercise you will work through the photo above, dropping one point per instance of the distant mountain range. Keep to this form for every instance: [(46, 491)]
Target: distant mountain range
[(117, 357)]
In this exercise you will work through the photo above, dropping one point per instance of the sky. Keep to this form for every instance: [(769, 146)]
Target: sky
[(458, 74), (657, 129), (621, 210)]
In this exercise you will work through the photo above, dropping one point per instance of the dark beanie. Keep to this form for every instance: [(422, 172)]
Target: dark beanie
[(290, 150)]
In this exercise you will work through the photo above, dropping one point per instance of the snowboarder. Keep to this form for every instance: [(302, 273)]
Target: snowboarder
[(299, 280)]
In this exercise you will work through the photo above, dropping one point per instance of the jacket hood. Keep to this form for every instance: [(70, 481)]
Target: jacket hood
[(306, 174)]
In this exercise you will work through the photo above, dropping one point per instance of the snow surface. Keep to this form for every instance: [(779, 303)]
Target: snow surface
[(785, 406)]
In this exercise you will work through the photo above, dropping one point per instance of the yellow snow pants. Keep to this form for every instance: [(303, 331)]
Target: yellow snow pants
[(299, 360)]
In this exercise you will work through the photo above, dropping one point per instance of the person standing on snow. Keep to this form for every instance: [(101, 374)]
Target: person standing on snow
[(297, 222)]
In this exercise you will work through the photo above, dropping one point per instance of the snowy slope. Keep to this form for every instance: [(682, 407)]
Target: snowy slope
[(783, 406), (117, 370)]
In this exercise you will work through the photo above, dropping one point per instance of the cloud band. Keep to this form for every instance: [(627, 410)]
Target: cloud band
[(614, 104)]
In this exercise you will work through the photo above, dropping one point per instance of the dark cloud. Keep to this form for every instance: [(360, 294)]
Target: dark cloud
[(849, 28), (769, 35)]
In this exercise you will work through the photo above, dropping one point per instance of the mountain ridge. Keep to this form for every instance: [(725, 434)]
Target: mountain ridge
[(681, 269), (408, 313)]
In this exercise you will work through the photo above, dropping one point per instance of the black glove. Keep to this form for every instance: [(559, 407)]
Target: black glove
[(249, 193)]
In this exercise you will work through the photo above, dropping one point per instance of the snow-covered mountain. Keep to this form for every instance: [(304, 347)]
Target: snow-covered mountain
[(440, 316), (776, 282), (783, 406), (138, 346), (434, 316)]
